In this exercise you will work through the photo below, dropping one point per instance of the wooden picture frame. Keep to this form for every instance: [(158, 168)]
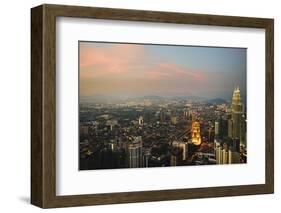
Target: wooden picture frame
[(43, 105)]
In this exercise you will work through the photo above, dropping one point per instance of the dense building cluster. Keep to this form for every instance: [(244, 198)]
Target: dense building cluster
[(157, 132)]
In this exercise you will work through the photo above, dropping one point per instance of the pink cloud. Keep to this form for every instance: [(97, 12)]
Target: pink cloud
[(121, 61), (115, 59), (171, 70)]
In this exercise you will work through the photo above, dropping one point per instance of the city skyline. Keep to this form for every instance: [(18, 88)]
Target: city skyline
[(136, 70), (146, 106)]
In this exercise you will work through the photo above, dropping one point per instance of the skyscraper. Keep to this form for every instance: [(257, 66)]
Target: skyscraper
[(230, 128), (182, 145), (218, 152), (233, 157), (225, 156), (223, 127), (135, 153), (236, 115), (140, 120), (217, 128), (243, 130), (146, 157), (176, 156), (174, 120)]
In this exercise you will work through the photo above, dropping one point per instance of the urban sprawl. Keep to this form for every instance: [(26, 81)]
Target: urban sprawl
[(155, 131)]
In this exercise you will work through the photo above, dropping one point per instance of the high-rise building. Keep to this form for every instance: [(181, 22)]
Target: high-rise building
[(174, 120), (146, 157), (182, 145), (243, 131), (210, 135), (230, 128), (216, 128), (140, 120), (217, 143), (219, 157), (135, 153), (185, 113), (233, 157), (176, 156), (225, 156), (112, 145), (236, 144), (236, 115), (223, 127)]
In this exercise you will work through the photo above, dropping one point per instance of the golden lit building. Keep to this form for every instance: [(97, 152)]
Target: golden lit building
[(195, 131)]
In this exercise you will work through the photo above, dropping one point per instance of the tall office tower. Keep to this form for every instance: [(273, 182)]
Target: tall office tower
[(185, 113), (224, 156), (225, 152), (174, 120), (243, 139), (223, 127), (195, 131), (210, 134), (146, 158), (236, 115), (230, 128), (233, 156), (181, 145), (217, 128), (135, 153), (176, 156), (112, 145), (216, 144), (140, 120), (219, 158), (236, 144)]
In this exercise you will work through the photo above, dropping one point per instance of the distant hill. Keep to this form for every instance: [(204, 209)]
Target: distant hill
[(150, 97), (97, 98), (217, 101), (182, 98), (107, 98)]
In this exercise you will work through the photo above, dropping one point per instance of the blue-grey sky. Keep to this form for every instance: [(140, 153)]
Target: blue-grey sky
[(127, 70)]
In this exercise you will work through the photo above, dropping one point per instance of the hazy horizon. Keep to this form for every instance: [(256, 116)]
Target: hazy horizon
[(137, 70), (150, 96)]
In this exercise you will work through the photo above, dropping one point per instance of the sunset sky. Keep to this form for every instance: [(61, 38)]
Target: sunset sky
[(134, 70)]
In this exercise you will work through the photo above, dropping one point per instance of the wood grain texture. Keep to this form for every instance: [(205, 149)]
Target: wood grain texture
[(269, 118), (36, 106), (43, 105)]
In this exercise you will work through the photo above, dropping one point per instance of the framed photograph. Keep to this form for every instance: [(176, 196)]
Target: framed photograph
[(136, 106)]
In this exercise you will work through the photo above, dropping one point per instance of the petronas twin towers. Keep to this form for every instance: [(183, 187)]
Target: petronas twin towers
[(237, 117)]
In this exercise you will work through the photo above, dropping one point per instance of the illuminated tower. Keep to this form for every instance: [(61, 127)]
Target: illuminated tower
[(237, 111), (195, 131)]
